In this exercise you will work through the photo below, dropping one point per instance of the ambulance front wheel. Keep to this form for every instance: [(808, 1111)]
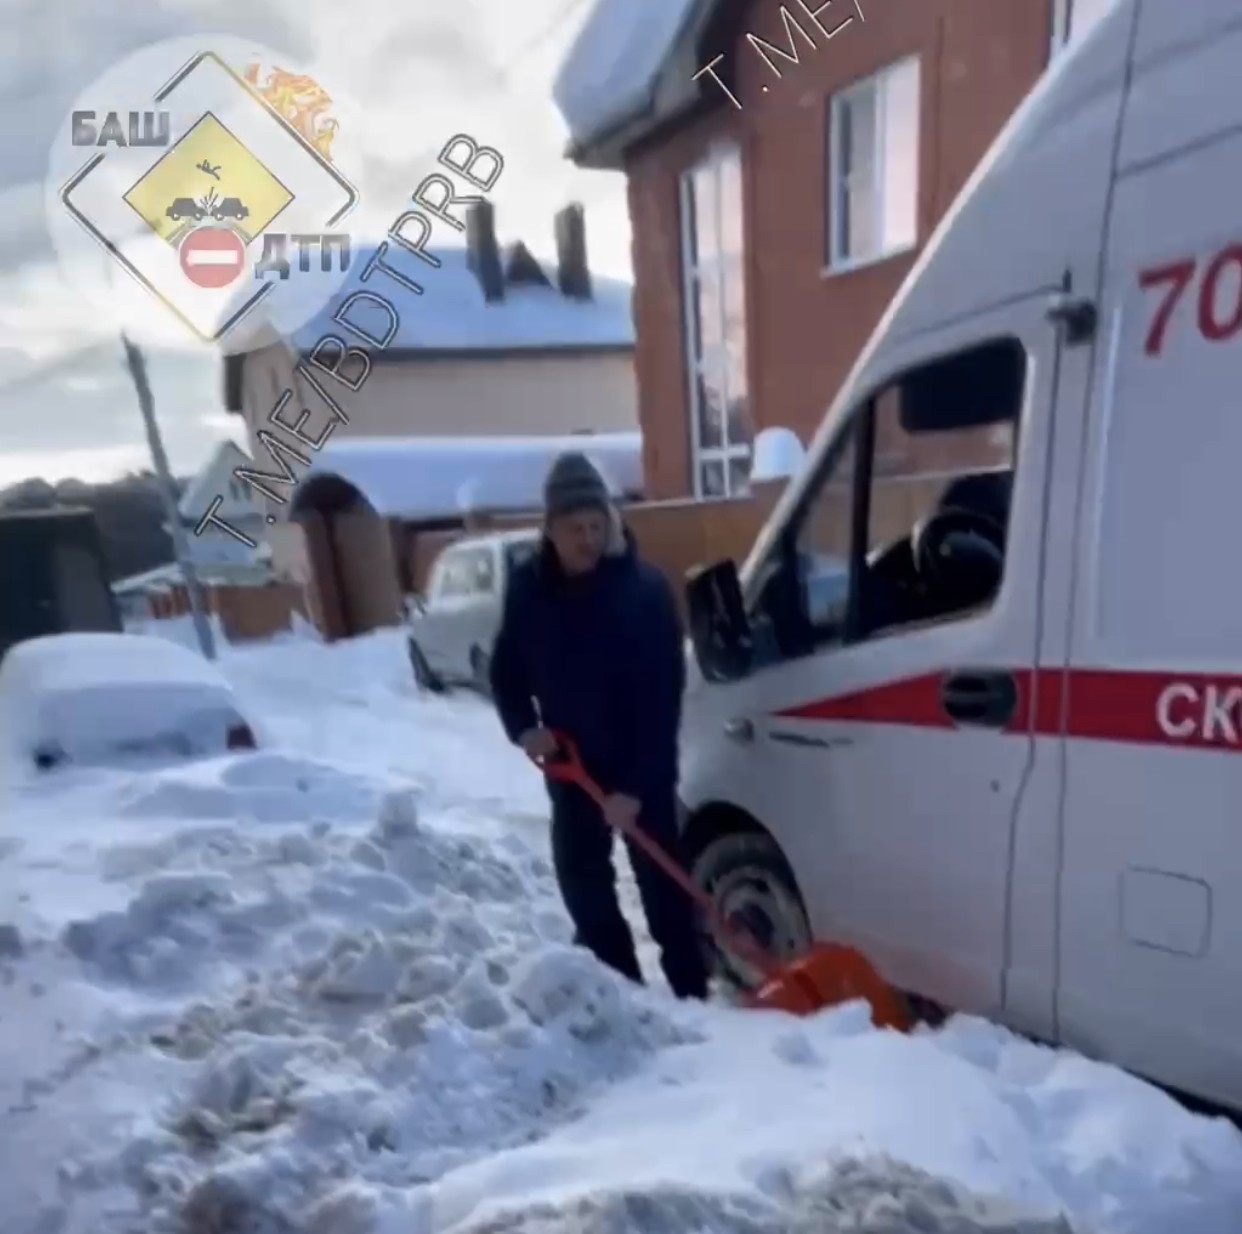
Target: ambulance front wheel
[(753, 887)]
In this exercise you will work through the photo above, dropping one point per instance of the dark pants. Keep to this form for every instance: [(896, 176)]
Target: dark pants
[(582, 855)]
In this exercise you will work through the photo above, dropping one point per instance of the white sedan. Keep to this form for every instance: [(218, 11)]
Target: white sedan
[(100, 699)]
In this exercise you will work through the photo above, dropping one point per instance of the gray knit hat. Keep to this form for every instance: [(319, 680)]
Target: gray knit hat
[(574, 484)]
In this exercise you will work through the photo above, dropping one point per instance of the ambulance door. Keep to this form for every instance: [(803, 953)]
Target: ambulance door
[(909, 731), (1151, 888)]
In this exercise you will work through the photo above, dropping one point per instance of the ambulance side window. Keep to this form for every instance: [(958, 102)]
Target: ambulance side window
[(908, 523)]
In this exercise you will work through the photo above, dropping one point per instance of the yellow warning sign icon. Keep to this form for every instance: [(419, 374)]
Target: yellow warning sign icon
[(208, 176)]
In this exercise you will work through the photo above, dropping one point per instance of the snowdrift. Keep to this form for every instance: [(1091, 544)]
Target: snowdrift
[(358, 1012)]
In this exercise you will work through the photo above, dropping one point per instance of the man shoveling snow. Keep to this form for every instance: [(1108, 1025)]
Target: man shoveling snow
[(590, 636)]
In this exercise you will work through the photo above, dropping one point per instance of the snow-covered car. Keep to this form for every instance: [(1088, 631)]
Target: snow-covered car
[(452, 630), (99, 699)]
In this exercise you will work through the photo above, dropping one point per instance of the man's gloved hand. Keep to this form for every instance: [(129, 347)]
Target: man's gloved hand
[(621, 811), (538, 743)]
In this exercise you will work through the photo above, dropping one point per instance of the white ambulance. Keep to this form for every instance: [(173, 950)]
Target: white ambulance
[(974, 701)]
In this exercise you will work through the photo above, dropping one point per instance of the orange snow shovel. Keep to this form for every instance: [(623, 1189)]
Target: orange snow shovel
[(824, 976)]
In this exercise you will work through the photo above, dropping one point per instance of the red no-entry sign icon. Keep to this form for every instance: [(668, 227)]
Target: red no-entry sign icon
[(212, 256)]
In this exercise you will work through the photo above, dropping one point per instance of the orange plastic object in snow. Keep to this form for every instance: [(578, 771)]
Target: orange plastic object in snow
[(826, 975)]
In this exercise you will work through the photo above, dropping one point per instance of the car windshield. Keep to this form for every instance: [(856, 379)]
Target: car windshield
[(520, 551), (825, 584)]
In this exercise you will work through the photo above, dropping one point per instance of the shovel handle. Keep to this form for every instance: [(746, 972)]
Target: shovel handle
[(565, 766)]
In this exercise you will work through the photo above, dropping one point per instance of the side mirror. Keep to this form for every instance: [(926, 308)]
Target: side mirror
[(724, 645)]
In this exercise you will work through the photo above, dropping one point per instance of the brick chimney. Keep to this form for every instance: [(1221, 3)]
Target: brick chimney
[(482, 251), (573, 275)]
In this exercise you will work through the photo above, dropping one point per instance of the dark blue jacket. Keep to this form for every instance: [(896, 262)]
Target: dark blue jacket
[(600, 658)]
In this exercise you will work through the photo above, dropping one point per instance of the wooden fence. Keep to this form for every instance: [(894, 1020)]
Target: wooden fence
[(246, 614)]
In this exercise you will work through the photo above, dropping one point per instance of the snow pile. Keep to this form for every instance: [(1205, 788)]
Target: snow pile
[(268, 787), (327, 989), (356, 705), (873, 1196), (402, 1008), (753, 1117)]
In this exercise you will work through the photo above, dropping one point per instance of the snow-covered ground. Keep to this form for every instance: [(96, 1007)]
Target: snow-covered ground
[(325, 989)]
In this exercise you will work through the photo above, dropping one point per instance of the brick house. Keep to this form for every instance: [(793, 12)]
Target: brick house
[(785, 164)]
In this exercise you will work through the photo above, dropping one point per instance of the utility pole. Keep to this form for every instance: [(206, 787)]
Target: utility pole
[(168, 490)]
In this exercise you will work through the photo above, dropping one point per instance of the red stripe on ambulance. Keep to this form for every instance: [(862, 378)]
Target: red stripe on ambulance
[(1198, 710)]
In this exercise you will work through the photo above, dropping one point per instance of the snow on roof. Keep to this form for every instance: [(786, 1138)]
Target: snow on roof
[(250, 569), (198, 493), (445, 477), (613, 67), (168, 573), (452, 314)]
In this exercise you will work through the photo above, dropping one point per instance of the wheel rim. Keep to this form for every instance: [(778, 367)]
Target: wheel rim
[(760, 905)]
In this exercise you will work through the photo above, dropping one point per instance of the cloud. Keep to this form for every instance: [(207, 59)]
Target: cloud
[(86, 409), (418, 73)]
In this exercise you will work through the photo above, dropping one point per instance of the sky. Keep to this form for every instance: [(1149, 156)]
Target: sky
[(417, 72)]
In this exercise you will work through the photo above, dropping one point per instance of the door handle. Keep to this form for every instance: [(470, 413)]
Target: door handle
[(740, 729), (979, 698)]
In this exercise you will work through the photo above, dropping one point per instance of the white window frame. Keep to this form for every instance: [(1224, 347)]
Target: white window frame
[(838, 261), (691, 264), (1061, 26)]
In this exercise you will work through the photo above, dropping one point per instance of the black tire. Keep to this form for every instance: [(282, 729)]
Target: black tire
[(481, 673), (750, 881), (424, 678)]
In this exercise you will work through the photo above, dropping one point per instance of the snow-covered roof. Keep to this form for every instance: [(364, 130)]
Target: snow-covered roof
[(446, 477), (256, 569), (170, 573), (613, 71), (209, 479), (453, 315)]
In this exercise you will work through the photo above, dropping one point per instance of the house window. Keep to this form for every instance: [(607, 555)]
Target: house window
[(714, 291), (1071, 19), (873, 166)]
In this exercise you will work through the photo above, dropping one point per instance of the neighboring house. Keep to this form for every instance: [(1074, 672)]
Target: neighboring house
[(218, 557), (778, 206), (497, 345), (240, 506)]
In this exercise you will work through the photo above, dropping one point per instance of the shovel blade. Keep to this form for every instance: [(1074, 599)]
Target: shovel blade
[(828, 975)]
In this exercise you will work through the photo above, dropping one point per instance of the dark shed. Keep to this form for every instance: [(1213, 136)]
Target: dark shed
[(53, 576)]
